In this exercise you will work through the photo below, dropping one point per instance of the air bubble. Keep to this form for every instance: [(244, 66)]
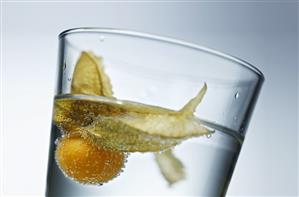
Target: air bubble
[(69, 79), (237, 95), (56, 141), (208, 135)]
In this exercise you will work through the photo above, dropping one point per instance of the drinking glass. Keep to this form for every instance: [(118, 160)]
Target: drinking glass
[(164, 72)]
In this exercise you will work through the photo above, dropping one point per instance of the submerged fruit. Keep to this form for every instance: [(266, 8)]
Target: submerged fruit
[(87, 163)]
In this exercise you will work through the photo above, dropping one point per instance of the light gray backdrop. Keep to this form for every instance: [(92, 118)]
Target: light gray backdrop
[(263, 33)]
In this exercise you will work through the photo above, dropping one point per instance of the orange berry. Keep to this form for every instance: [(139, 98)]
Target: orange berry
[(84, 162)]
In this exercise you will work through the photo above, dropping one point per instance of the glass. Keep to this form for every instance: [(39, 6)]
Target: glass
[(164, 72)]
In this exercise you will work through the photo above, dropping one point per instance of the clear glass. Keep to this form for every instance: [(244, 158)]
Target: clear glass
[(164, 72)]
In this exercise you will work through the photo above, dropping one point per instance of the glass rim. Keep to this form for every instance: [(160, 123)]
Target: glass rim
[(171, 40)]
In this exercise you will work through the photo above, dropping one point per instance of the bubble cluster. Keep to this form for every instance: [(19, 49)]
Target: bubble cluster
[(121, 137), (73, 115)]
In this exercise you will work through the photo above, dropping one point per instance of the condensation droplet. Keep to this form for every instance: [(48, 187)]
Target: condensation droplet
[(64, 66), (237, 95), (235, 118), (56, 141), (102, 38)]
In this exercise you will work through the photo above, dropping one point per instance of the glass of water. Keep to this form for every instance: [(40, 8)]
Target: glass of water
[(159, 75)]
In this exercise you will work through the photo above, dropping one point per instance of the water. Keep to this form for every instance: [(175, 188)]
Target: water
[(209, 162)]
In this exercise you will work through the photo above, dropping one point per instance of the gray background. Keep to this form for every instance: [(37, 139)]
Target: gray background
[(263, 33)]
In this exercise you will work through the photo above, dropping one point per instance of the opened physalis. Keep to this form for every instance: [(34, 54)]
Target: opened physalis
[(77, 157), (128, 126), (90, 117)]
